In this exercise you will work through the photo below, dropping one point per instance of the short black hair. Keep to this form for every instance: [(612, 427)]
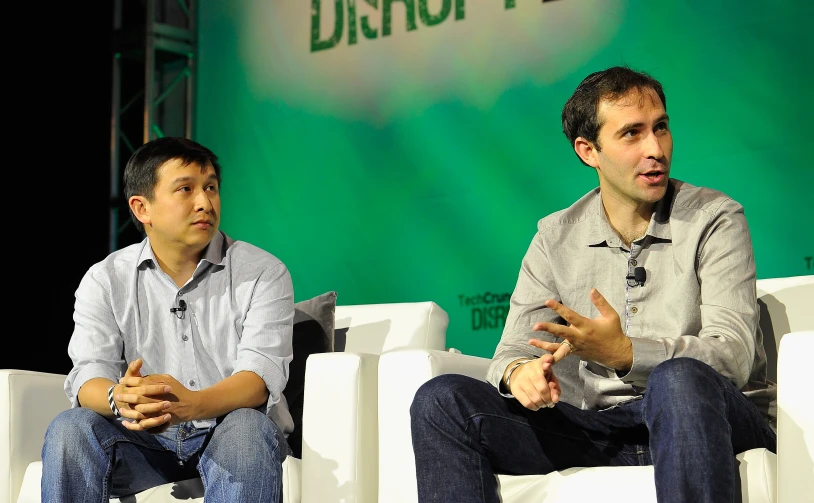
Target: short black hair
[(579, 115), (141, 171)]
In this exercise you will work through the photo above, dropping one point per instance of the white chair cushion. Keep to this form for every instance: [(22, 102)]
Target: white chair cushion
[(629, 484), (190, 491)]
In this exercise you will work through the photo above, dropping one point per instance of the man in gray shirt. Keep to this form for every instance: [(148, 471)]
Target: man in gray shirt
[(180, 350), (632, 336)]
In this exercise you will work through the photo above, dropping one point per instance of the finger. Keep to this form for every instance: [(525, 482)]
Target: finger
[(561, 352), (132, 425), (131, 381), (134, 369), (152, 408), (540, 392), (523, 398), (554, 329), (534, 400), (554, 391), (135, 385), (557, 350), (135, 398), (544, 345), (601, 304), (152, 422), (572, 317)]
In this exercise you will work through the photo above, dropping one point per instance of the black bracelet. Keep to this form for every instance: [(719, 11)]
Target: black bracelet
[(112, 402)]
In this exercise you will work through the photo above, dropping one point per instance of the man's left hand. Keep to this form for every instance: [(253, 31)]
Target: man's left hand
[(599, 339), (183, 401)]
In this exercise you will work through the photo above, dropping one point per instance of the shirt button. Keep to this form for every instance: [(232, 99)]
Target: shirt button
[(634, 309), (184, 337), (633, 262), (192, 383)]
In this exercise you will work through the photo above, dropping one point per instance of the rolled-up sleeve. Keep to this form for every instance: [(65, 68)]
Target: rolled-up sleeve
[(266, 343), (95, 347)]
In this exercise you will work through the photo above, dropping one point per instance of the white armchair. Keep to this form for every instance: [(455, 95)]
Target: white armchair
[(787, 305), (339, 453)]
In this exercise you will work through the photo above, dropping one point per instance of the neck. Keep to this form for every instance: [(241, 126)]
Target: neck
[(628, 219), (178, 264)]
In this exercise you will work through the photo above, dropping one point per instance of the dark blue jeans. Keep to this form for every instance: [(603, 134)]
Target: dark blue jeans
[(689, 425), (87, 457)]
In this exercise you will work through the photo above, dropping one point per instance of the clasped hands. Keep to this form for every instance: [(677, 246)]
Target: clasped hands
[(151, 403), (600, 339)]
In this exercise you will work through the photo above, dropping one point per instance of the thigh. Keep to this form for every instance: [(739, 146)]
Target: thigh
[(517, 440), (244, 434), (134, 460), (689, 395)]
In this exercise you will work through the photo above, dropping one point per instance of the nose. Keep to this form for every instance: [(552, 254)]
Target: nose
[(653, 147), (202, 202)]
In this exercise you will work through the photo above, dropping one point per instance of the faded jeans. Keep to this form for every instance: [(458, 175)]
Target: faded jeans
[(689, 425), (90, 458)]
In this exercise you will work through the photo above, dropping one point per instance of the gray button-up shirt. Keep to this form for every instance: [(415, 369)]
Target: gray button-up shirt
[(239, 317), (698, 299)]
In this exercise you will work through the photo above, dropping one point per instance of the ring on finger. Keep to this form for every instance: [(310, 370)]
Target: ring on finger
[(570, 346)]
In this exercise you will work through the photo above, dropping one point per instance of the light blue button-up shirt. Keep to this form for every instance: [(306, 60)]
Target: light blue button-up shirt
[(239, 317)]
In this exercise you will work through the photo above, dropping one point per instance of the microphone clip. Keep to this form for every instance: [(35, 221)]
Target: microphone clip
[(638, 277), (182, 306)]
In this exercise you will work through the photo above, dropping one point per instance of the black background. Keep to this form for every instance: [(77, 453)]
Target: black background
[(56, 150)]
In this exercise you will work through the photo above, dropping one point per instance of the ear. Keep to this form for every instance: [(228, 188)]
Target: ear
[(140, 208), (586, 151)]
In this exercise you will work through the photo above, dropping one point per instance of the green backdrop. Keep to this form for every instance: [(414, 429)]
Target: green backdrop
[(404, 150)]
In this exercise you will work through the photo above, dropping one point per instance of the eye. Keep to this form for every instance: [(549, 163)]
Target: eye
[(662, 126), (212, 188), (630, 133)]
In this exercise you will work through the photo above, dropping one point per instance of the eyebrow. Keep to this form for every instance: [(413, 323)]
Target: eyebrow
[(183, 179), (634, 125)]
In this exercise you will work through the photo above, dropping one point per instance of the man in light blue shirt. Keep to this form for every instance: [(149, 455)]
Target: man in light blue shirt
[(180, 350)]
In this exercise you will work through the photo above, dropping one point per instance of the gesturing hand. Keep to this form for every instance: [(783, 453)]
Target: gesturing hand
[(534, 384), (142, 402), (599, 339)]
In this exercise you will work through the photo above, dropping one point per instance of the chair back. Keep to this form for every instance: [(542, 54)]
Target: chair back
[(786, 305), (376, 328)]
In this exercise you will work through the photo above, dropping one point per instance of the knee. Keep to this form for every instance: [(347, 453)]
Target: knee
[(70, 428), (438, 395), (679, 378), (242, 430)]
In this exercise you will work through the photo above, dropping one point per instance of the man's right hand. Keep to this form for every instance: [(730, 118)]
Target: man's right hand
[(141, 402), (534, 384)]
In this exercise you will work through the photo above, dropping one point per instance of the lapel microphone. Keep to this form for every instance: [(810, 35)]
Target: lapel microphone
[(636, 279), (182, 306)]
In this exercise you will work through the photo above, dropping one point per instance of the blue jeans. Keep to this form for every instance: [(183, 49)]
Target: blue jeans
[(689, 425), (90, 458)]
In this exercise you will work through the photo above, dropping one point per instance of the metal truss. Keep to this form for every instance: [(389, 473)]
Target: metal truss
[(154, 60)]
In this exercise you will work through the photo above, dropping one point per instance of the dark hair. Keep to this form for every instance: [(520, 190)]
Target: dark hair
[(141, 172), (579, 115)]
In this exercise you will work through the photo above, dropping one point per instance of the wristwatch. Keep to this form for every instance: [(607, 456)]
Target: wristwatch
[(112, 402)]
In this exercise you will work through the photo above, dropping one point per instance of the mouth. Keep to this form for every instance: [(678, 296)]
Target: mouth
[(654, 177), (203, 224)]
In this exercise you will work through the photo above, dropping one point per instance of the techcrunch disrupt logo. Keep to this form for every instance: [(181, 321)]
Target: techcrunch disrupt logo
[(346, 18), (488, 309)]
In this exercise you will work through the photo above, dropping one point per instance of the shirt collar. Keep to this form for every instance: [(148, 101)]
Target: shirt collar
[(659, 226), (214, 252)]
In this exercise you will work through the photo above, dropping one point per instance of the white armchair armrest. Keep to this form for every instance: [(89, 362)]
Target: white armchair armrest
[(28, 402), (401, 373), (795, 417), (339, 457)]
